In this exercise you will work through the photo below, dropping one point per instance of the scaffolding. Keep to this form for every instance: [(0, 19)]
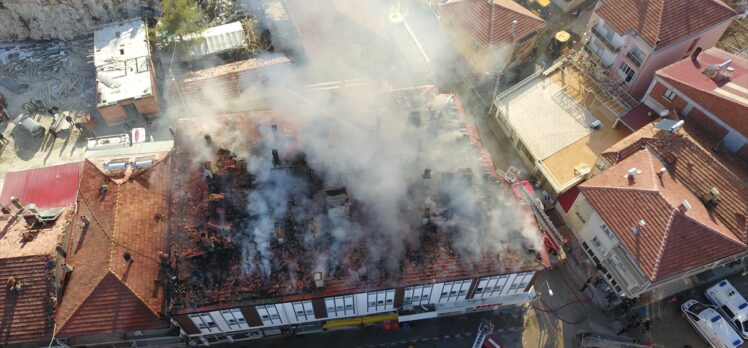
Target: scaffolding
[(609, 91)]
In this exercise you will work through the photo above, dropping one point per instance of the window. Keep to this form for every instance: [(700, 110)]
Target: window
[(269, 315), (303, 310), (728, 312), (205, 323), (234, 319), (339, 306), (608, 232), (597, 243), (417, 295), (380, 300), (669, 94), (626, 72)]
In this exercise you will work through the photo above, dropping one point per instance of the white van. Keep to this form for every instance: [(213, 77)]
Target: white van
[(732, 305), (711, 325)]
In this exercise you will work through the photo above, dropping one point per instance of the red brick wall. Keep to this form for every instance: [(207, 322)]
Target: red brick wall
[(695, 116), (657, 94), (709, 126)]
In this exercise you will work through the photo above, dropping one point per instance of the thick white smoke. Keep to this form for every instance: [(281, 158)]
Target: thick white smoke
[(377, 145)]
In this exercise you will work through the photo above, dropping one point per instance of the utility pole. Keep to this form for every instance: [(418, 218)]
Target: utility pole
[(485, 329)]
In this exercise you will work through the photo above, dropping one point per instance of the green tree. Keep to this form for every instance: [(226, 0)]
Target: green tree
[(179, 19)]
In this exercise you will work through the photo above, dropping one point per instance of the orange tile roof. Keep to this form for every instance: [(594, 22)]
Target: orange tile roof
[(672, 240), (123, 220), (727, 99), (27, 314), (697, 168), (662, 22), (474, 16)]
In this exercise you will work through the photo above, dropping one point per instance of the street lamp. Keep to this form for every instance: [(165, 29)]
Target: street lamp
[(550, 292)]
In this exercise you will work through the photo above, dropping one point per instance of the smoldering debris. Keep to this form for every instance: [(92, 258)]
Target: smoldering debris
[(359, 193)]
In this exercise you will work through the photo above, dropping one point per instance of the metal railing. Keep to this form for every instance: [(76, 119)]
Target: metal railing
[(590, 49), (610, 45)]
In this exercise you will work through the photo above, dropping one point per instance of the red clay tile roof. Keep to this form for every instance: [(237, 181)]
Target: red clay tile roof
[(662, 22), (474, 17), (727, 99), (124, 220), (47, 187), (27, 314), (228, 80), (697, 168), (111, 307), (672, 241)]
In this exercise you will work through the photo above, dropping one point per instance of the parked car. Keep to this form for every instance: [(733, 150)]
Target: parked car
[(711, 325), (29, 124), (731, 304)]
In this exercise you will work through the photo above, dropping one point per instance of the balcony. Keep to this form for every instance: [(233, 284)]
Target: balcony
[(600, 36), (634, 59), (597, 53)]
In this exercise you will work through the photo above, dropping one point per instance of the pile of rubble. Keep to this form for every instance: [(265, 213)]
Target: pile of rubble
[(56, 72)]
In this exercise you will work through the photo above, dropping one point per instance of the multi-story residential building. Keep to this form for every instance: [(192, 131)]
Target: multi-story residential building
[(126, 81), (492, 35), (662, 211), (710, 91), (634, 38), (319, 265)]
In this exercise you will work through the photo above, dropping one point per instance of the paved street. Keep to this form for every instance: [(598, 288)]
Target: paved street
[(454, 331)]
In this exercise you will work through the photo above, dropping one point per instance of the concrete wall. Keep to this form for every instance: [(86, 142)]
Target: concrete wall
[(61, 19), (657, 59), (673, 53)]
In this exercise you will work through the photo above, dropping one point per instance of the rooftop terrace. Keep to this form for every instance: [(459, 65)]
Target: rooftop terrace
[(554, 116)]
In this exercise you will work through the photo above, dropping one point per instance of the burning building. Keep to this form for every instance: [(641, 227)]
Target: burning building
[(347, 209)]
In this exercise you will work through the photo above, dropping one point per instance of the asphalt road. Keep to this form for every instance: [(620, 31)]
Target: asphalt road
[(451, 331)]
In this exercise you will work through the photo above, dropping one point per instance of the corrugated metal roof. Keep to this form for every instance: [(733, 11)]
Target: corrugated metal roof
[(219, 39), (48, 187)]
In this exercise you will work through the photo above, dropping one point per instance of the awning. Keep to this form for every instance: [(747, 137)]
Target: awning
[(361, 320)]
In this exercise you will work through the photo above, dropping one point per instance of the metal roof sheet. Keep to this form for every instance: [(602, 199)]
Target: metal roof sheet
[(48, 187), (219, 39)]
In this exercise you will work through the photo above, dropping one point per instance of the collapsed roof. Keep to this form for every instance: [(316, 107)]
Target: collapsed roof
[(267, 199)]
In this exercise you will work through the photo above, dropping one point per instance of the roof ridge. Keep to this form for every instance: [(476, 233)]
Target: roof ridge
[(659, 23), (135, 294), (114, 230), (737, 238), (666, 238), (78, 307)]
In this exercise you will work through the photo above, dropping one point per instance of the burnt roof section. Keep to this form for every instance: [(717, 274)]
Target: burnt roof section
[(210, 215)]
